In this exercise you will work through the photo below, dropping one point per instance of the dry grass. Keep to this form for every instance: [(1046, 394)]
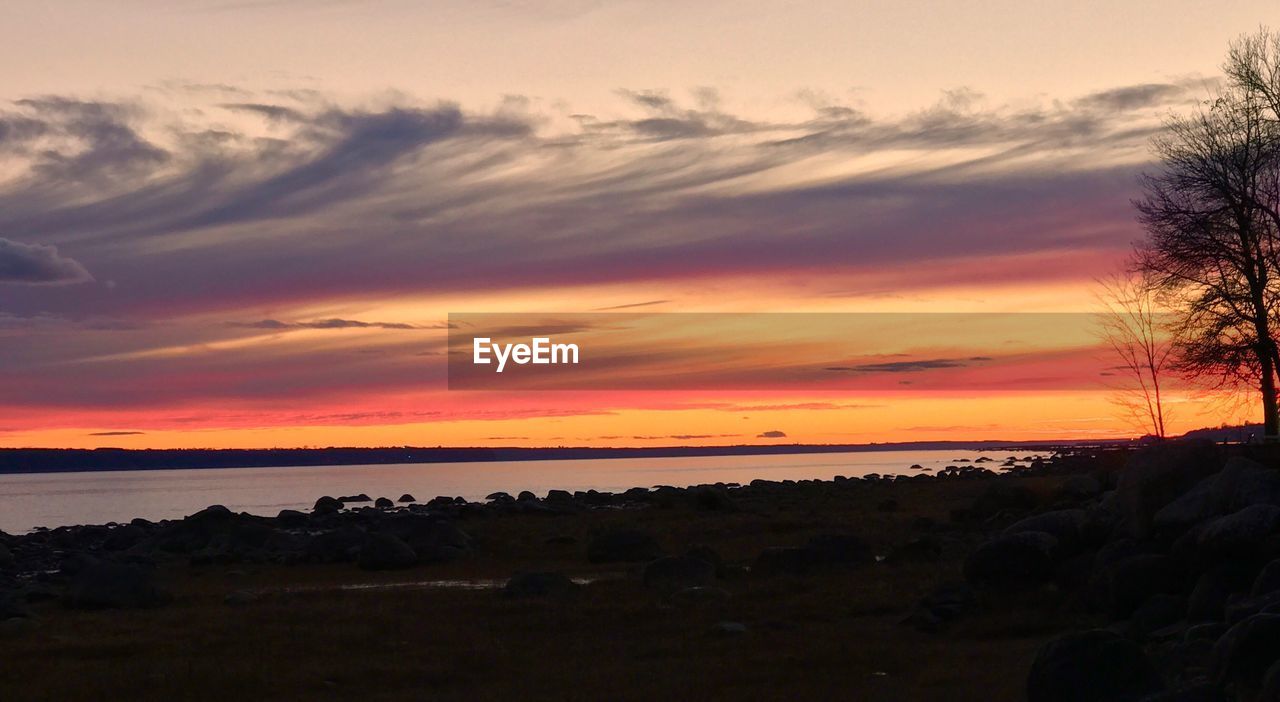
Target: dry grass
[(832, 636)]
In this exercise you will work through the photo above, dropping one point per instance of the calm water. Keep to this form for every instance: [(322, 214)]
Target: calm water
[(58, 499)]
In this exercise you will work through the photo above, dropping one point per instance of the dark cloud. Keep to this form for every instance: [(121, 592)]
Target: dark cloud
[(37, 264), (328, 324), (773, 434), (117, 433), (901, 366)]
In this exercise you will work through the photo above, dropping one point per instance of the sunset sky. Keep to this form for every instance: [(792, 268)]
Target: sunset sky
[(238, 223)]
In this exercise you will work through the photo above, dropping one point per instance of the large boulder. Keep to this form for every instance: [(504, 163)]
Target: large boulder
[(1243, 655), (1012, 560), (1243, 483), (1189, 509), (1091, 666), (385, 552), (1241, 534), (1136, 579), (1065, 525), (1158, 475), (434, 540), (109, 585), (623, 546)]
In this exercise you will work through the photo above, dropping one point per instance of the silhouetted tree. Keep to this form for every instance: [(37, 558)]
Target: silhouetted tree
[(1134, 329), (1212, 216)]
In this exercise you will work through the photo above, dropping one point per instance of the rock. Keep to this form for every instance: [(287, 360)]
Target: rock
[(291, 519), (559, 496), (355, 498), (385, 552), (1209, 596), (1012, 560), (1243, 483), (1155, 476), (1080, 487), (623, 546), (406, 498), (1091, 666), (1268, 579), (337, 546), (1002, 495), (678, 573), (435, 540), (240, 597), (1240, 608), (383, 503), (1237, 535), (1136, 579), (108, 585), (1243, 655), (729, 628), (526, 496), (1190, 508), (1065, 525), (6, 557), (1158, 612), (327, 505), (498, 497), (712, 499), (539, 585)]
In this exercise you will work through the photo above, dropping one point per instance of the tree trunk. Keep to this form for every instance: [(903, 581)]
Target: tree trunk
[(1270, 412)]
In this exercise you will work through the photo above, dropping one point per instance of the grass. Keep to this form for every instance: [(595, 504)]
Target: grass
[(830, 636)]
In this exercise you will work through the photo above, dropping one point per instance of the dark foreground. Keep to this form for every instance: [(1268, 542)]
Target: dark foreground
[(937, 588)]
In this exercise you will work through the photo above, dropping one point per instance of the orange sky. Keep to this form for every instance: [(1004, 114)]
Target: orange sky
[(247, 224)]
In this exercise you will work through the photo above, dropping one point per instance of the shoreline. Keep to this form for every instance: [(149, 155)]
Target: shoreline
[(37, 460)]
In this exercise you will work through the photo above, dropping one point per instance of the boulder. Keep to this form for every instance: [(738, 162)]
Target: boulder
[(1243, 655), (406, 498), (1012, 560), (1136, 579), (1080, 487), (327, 505), (383, 503), (435, 540), (1238, 535), (109, 585), (1243, 483), (291, 519), (1155, 476), (1212, 589), (623, 546), (1064, 525), (1268, 579), (1192, 507), (1091, 666), (385, 552)]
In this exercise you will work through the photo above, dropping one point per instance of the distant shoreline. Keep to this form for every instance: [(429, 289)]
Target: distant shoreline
[(46, 460)]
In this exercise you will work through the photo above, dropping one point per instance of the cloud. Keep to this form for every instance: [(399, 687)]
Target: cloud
[(773, 434), (328, 324), (901, 366), (38, 264), (117, 433)]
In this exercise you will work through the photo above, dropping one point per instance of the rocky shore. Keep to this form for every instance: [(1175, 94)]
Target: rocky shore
[(1099, 575)]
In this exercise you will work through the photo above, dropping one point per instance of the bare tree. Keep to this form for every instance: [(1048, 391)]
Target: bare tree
[(1135, 330), (1213, 240)]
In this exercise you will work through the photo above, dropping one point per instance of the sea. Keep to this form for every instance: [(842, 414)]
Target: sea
[(32, 500)]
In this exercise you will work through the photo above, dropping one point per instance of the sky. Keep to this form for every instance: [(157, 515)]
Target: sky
[(246, 223)]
